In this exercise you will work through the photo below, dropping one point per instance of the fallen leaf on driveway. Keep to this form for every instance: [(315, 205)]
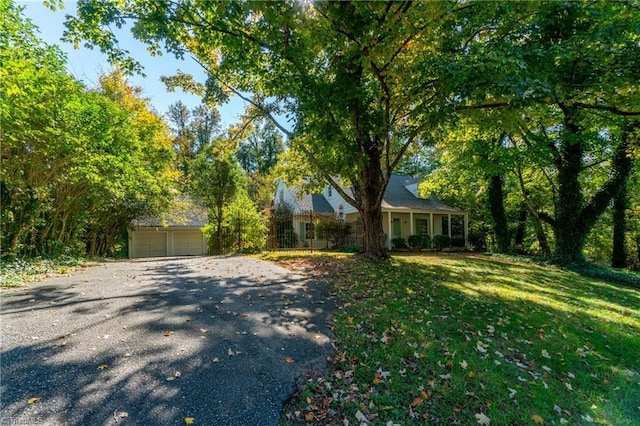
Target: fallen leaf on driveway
[(289, 360), (189, 420), (33, 400), (168, 333)]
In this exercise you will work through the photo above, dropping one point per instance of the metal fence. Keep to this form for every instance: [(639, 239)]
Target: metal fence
[(312, 231)]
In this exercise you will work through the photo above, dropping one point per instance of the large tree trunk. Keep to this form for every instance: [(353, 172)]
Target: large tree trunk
[(496, 207), (369, 192), (574, 219)]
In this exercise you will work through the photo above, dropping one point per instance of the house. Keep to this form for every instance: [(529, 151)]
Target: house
[(178, 233), (404, 212)]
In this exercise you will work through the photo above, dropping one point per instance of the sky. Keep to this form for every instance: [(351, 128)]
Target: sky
[(87, 65)]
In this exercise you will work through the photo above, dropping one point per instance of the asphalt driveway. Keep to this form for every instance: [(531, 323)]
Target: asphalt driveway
[(220, 340)]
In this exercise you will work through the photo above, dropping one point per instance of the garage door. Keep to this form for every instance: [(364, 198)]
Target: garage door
[(149, 244), (187, 243)]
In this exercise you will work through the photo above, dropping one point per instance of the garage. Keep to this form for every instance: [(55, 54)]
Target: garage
[(166, 241), (178, 233), (148, 244), (187, 243)]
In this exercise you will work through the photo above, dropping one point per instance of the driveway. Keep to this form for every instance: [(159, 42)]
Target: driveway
[(220, 340)]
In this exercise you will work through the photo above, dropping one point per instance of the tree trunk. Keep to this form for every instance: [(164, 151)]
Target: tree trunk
[(574, 219), (542, 238), (620, 203), (496, 207), (522, 225)]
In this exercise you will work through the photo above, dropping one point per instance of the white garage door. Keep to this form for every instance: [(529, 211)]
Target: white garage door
[(148, 244), (187, 243)]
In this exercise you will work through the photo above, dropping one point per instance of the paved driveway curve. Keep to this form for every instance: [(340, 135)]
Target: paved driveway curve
[(152, 342)]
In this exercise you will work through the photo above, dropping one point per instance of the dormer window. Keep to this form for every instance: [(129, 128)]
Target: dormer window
[(330, 191)]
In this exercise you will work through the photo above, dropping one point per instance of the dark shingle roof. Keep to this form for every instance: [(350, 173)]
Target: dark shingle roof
[(184, 212), (314, 202), (399, 197)]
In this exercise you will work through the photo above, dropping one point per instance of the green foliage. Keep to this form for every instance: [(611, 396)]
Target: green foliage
[(246, 227), (399, 243), (18, 271), (77, 165), (216, 178), (441, 242)]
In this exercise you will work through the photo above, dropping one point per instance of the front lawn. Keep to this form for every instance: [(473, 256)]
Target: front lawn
[(470, 339)]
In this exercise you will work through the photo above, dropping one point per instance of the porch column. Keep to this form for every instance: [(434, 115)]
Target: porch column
[(389, 230), (431, 225), (411, 230), (449, 215), (466, 229)]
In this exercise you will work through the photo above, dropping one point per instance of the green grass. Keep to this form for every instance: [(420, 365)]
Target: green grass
[(449, 339), (19, 272)]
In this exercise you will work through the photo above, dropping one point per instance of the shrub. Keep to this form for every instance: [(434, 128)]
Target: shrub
[(399, 243), (419, 241), (457, 242), (441, 241)]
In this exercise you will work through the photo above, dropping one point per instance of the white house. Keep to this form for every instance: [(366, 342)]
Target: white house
[(404, 212)]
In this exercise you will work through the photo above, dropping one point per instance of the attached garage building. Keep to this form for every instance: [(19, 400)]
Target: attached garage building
[(178, 234)]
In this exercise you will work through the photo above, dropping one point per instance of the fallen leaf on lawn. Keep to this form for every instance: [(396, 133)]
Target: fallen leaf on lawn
[(587, 418), (537, 419), (571, 375), (383, 374), (189, 420), (482, 419), (557, 409), (308, 417), (512, 393), (416, 401), (103, 367), (33, 400), (545, 354), (463, 364), (168, 333), (361, 417), (376, 380), (563, 421), (445, 376), (289, 360), (568, 386)]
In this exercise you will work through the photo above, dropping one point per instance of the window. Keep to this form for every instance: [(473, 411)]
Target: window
[(330, 190), (422, 226), (310, 231), (445, 225)]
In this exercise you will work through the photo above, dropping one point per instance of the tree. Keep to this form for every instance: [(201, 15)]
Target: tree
[(216, 178), (571, 75), (77, 165), (360, 79), (192, 130), (258, 149)]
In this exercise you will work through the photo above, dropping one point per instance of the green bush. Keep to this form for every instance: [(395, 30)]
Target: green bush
[(441, 241), (399, 243), (457, 242), (419, 241)]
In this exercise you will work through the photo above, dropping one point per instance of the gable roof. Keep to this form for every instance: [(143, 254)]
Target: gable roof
[(401, 194), (185, 211)]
